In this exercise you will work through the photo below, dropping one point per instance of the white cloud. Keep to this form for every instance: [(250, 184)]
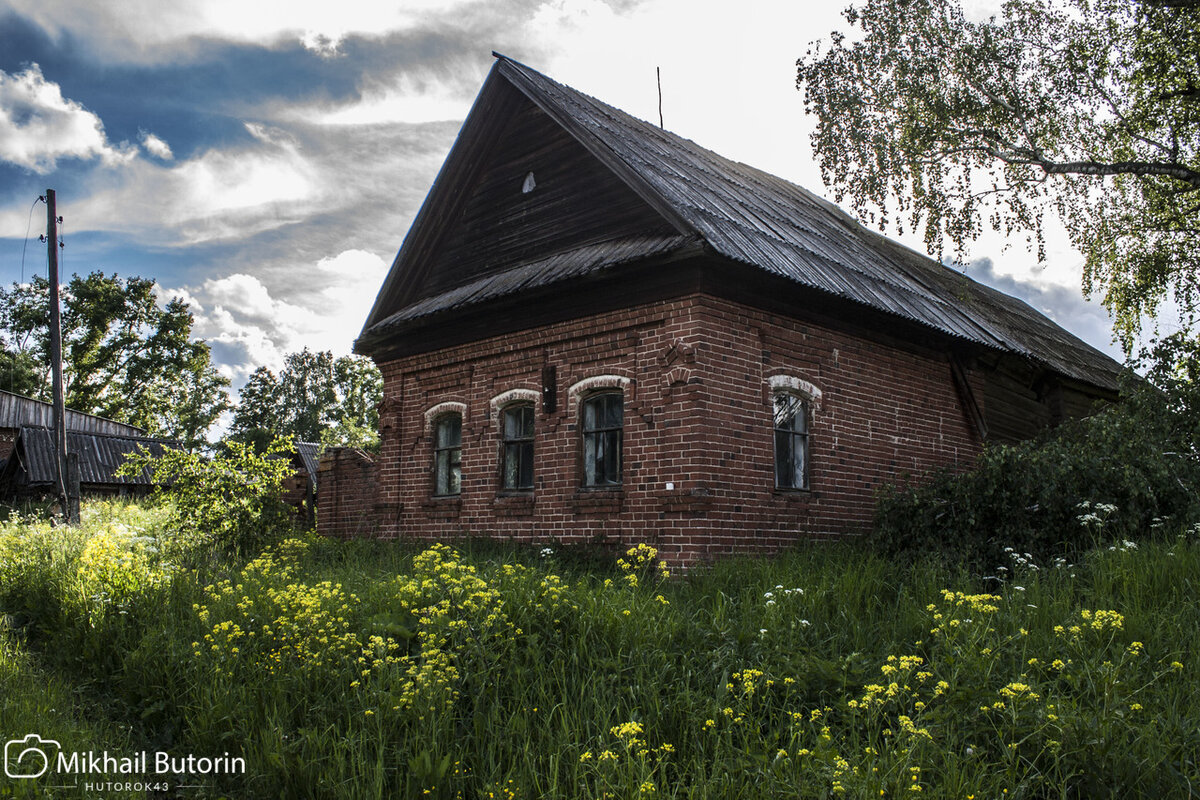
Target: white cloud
[(404, 99), (150, 31), (1066, 305), (218, 182), (249, 325), (319, 25), (38, 126), (215, 195), (353, 279), (244, 325), (156, 146), (728, 70)]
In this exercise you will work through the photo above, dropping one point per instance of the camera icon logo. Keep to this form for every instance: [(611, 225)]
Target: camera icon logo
[(29, 757)]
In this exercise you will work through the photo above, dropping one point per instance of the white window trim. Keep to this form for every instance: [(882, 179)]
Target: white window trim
[(513, 396), (444, 408), (794, 385), (595, 383), (790, 384)]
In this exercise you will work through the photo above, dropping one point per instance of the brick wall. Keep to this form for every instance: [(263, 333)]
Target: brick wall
[(346, 493), (696, 375)]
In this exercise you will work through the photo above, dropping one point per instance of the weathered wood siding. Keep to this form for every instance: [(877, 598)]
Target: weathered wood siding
[(575, 201)]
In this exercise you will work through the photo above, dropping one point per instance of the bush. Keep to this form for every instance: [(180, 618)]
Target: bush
[(231, 502), (1129, 468)]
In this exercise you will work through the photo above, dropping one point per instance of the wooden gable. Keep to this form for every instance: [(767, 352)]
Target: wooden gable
[(516, 188), (540, 193)]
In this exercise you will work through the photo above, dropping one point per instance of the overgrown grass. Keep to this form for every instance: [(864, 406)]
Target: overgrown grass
[(372, 669), (33, 700)]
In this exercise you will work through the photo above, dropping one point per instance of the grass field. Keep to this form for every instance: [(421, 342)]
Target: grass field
[(363, 670)]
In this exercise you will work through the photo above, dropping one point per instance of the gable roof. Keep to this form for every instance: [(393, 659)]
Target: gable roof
[(731, 209), (304, 455), (310, 454)]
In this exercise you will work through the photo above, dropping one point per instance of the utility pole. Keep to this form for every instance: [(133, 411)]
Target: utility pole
[(70, 509)]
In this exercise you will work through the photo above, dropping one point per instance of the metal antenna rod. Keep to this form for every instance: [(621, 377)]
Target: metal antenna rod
[(658, 73)]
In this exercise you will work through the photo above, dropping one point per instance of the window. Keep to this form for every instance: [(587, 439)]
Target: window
[(791, 442), (603, 420), (516, 456), (447, 455)]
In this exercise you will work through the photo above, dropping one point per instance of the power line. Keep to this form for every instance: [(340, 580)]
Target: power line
[(12, 364), (28, 225)]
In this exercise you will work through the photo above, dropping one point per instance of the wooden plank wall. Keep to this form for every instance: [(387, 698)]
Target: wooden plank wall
[(1013, 410), (576, 201)]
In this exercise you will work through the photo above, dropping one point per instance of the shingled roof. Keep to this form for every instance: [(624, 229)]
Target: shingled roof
[(735, 211)]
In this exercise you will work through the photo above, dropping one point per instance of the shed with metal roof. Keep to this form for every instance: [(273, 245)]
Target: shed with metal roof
[(18, 410), (30, 470)]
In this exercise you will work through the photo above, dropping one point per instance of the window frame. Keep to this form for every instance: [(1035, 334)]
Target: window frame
[(452, 453), (601, 434), (792, 436), (521, 444)]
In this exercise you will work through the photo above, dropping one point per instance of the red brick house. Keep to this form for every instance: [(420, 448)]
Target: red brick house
[(596, 329)]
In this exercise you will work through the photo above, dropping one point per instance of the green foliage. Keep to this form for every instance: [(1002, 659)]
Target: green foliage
[(229, 502), (1084, 109), (314, 398), (348, 432), (19, 372), (370, 671), (1131, 469), (124, 356)]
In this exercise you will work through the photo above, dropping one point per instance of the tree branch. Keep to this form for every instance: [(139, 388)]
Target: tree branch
[(1096, 168)]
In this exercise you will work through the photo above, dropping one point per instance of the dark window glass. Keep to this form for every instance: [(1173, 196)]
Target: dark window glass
[(516, 461), (447, 455), (791, 442), (603, 420)]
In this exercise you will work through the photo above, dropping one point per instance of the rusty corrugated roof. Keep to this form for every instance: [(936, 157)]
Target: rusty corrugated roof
[(755, 218)]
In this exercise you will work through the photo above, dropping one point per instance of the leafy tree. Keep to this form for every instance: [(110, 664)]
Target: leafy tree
[(1088, 109), (314, 393), (350, 433), (125, 356), (19, 371), (231, 502)]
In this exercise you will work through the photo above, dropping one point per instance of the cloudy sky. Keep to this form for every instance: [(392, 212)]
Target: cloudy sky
[(264, 160)]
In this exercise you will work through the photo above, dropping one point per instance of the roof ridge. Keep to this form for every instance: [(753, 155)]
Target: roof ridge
[(762, 177), (71, 432), (744, 214), (72, 410)]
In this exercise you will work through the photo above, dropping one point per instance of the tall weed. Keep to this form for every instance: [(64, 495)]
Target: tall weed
[(354, 670)]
